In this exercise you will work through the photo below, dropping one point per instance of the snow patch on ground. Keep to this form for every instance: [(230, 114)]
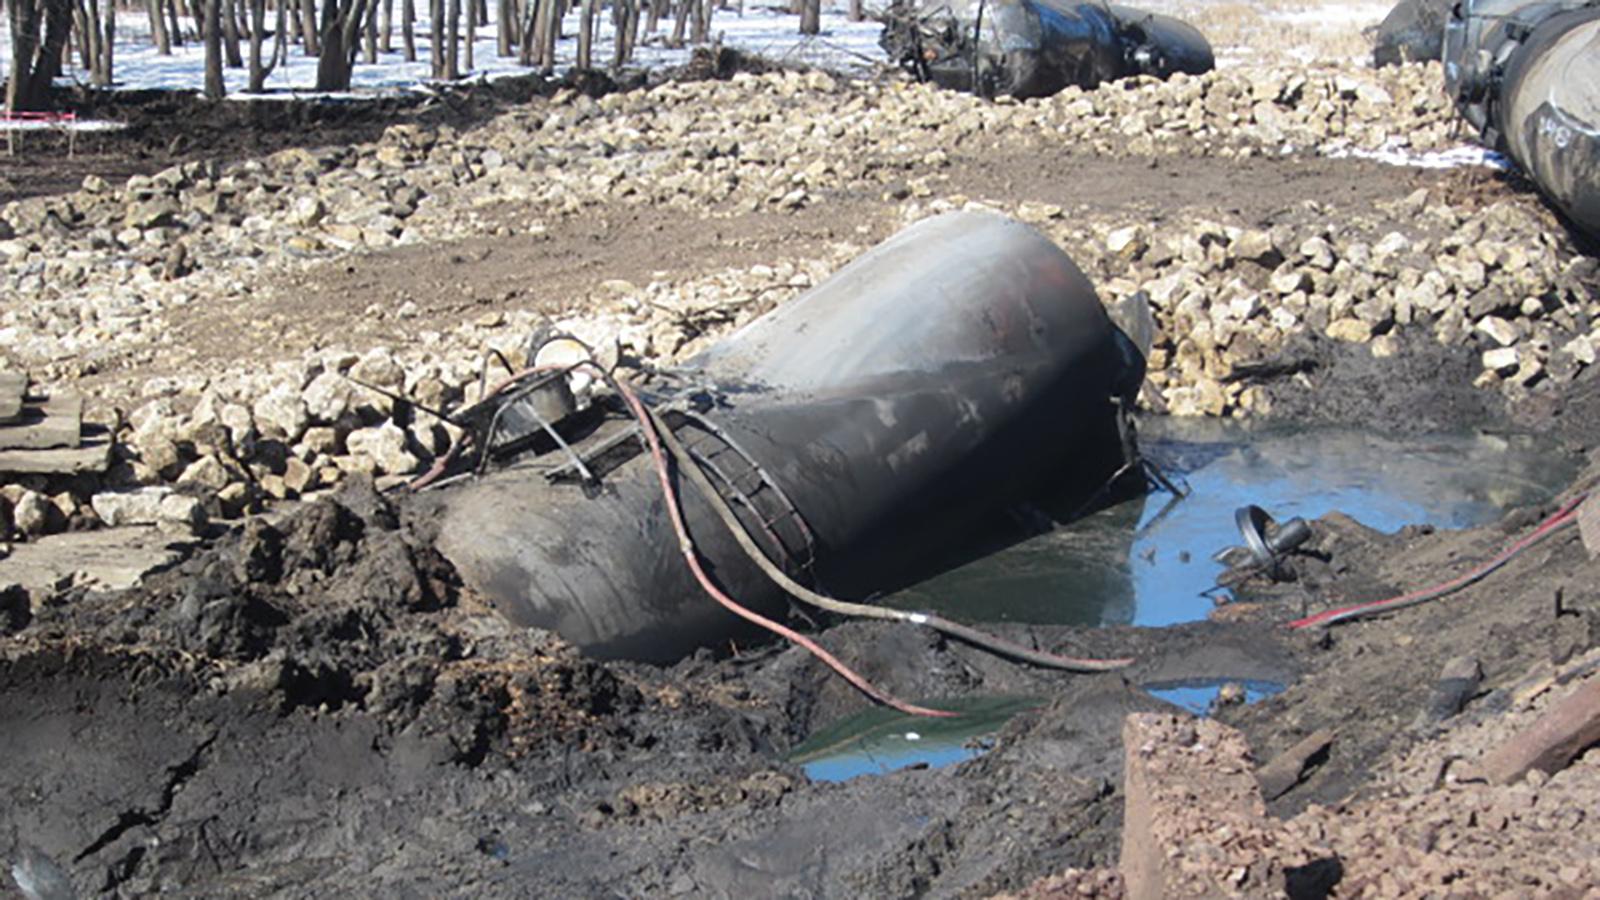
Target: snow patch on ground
[(769, 31), (1397, 154)]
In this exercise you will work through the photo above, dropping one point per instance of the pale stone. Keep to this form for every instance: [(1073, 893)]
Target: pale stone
[(1503, 332), (1500, 359), (1352, 330), (385, 445)]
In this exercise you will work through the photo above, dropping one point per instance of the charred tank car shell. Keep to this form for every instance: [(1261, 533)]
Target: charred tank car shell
[(1527, 76), (1035, 48), (1412, 32), (869, 433)]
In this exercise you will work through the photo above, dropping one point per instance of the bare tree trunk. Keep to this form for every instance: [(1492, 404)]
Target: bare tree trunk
[(174, 23), (474, 12), (23, 17), (341, 32), (811, 16), (505, 28), (452, 33), (86, 37), (680, 22), (625, 22), (701, 31), (369, 33), (408, 28), (158, 28), (230, 34), (386, 28), (259, 71), (108, 45), (87, 21), (586, 36), (212, 32), (654, 21), (308, 26), (858, 11), (553, 12), (436, 36), (531, 36)]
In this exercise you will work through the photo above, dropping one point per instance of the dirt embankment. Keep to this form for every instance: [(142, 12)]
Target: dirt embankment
[(315, 705)]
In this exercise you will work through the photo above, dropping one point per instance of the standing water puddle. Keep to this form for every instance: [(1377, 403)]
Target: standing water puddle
[(879, 740), (1147, 562)]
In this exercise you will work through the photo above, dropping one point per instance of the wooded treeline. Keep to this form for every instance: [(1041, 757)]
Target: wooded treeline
[(49, 35)]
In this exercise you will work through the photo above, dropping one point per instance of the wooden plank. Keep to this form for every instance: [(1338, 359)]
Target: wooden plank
[(1562, 732), (13, 385), (1589, 525), (55, 422), (92, 455)]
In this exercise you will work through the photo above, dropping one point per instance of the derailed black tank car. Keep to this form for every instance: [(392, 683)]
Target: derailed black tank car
[(1035, 48), (1526, 75)]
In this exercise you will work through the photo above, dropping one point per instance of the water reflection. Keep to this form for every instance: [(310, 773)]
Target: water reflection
[(880, 740), (1198, 696), (1146, 563)]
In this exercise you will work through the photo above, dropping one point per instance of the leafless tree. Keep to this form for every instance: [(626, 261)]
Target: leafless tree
[(158, 28), (341, 31), (625, 19), (212, 32), (452, 33), (810, 16), (506, 27), (308, 26), (35, 59), (174, 25), (259, 71), (408, 28), (230, 34), (369, 34), (586, 26)]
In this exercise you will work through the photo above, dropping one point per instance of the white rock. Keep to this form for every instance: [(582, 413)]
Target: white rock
[(1128, 243), (1582, 349), (282, 411), (1503, 332), (1353, 330), (327, 397), (33, 513), (208, 472), (379, 368), (385, 445), (138, 507), (180, 512), (1500, 359)]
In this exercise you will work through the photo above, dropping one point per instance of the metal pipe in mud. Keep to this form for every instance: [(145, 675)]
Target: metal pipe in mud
[(867, 433), (1527, 76)]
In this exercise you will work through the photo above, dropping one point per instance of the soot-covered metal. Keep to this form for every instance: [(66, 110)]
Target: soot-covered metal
[(1526, 74), (868, 434), (1035, 48)]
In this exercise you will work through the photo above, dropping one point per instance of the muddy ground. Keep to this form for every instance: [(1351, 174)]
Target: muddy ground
[(313, 705)]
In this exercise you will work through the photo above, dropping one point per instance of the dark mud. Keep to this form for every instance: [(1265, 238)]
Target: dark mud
[(315, 706)]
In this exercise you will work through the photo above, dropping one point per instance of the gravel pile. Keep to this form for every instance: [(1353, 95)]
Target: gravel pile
[(98, 275), (1436, 826)]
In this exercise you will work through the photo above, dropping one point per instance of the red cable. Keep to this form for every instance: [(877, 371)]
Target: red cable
[(686, 544), (1561, 518)]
